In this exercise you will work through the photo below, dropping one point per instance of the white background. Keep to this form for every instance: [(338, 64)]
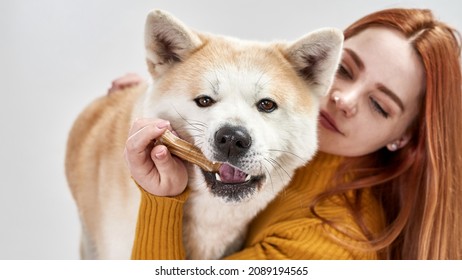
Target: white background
[(57, 56)]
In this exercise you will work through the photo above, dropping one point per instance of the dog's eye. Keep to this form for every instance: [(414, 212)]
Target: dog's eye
[(266, 105), (204, 101)]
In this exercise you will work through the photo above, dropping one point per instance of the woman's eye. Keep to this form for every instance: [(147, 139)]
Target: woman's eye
[(343, 72), (204, 101), (376, 106), (266, 105)]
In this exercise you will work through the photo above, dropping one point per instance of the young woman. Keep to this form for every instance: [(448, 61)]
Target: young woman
[(387, 182)]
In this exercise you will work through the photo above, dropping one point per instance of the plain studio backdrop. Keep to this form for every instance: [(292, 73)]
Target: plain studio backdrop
[(56, 56)]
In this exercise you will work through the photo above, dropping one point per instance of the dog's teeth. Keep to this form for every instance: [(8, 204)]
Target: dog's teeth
[(247, 178), (217, 176)]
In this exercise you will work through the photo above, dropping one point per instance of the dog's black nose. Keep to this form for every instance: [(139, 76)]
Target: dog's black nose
[(232, 142)]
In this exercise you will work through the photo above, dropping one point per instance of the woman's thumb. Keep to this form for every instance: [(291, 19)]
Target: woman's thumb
[(172, 172)]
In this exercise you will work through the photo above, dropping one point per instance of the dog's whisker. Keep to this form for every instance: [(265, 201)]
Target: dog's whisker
[(197, 123), (192, 131), (200, 144), (268, 173), (278, 172), (270, 161), (288, 153), (215, 86), (188, 127), (192, 123), (259, 85), (280, 167)]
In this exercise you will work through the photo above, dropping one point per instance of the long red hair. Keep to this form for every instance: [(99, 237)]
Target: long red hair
[(419, 186)]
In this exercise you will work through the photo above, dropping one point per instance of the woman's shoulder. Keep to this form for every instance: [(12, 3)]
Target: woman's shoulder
[(306, 238), (289, 225)]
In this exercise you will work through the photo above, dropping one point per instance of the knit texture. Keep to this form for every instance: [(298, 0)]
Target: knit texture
[(286, 229), (159, 227)]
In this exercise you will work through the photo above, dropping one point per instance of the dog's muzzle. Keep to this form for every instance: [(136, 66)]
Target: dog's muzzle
[(231, 147), (232, 184)]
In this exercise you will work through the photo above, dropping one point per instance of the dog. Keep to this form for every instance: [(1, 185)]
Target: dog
[(252, 106)]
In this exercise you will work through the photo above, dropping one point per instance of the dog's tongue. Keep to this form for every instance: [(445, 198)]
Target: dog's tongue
[(229, 174)]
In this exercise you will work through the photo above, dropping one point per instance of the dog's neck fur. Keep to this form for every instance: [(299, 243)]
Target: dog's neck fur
[(205, 216)]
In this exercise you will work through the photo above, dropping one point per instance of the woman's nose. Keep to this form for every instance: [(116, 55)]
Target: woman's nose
[(347, 103)]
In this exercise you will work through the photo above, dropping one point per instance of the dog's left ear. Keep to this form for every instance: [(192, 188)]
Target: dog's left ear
[(167, 41), (316, 57)]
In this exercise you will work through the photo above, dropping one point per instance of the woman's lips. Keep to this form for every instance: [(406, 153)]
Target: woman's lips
[(328, 122)]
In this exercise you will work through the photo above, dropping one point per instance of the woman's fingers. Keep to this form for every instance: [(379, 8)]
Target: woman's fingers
[(172, 172), (139, 124), (153, 167), (138, 143), (128, 80)]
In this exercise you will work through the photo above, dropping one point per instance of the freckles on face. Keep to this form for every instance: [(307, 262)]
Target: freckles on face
[(375, 96)]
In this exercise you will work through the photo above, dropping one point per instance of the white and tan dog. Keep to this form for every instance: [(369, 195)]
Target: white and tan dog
[(250, 105)]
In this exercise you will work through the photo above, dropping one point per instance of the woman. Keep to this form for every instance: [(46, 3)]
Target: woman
[(387, 180)]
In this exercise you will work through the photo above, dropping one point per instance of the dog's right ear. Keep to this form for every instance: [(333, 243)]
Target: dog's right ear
[(316, 57), (167, 41)]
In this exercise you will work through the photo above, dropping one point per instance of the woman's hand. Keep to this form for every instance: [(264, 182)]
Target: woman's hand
[(152, 166), (125, 81)]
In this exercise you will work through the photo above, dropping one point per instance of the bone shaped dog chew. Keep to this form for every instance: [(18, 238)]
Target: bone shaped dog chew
[(187, 151)]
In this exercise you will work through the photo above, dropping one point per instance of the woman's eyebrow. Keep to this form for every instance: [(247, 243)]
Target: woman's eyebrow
[(355, 58), (393, 96)]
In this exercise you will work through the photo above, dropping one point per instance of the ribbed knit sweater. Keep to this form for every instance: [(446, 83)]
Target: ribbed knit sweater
[(286, 229)]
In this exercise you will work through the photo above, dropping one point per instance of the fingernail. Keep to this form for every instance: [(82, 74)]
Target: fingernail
[(161, 154), (163, 124)]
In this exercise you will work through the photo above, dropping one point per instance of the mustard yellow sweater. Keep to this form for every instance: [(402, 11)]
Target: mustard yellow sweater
[(286, 229)]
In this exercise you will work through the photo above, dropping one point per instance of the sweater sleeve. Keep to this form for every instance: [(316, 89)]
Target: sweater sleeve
[(159, 227), (305, 239)]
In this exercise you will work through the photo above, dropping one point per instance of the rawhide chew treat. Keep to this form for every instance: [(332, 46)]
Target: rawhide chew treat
[(187, 151)]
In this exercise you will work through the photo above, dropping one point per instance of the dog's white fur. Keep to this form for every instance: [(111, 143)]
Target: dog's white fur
[(240, 76)]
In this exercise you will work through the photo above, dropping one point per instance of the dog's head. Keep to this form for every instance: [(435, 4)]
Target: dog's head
[(250, 105)]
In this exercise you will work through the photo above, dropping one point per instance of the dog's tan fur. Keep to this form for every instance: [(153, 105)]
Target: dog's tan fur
[(180, 62), (95, 145)]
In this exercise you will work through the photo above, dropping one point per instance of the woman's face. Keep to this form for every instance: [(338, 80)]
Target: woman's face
[(375, 95)]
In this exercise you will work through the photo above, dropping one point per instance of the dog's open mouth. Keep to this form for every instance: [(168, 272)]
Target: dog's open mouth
[(232, 184)]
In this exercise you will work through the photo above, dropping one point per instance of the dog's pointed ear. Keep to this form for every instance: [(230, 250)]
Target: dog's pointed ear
[(167, 41), (316, 57)]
